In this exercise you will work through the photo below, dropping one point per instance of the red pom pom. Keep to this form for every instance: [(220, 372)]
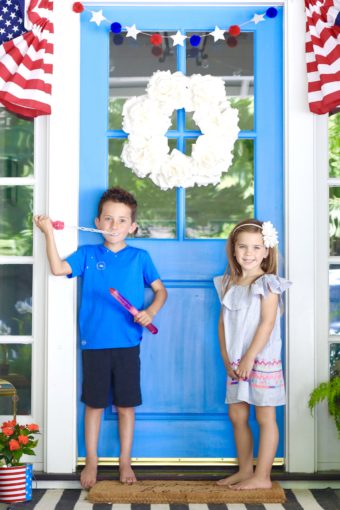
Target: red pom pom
[(234, 30), (77, 7), (156, 39)]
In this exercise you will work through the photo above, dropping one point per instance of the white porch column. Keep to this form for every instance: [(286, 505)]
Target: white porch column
[(63, 171), (300, 245)]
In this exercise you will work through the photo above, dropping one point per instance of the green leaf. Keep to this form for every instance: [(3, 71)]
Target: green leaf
[(28, 451)]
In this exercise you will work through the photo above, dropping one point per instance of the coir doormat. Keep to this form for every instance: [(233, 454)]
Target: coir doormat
[(149, 491)]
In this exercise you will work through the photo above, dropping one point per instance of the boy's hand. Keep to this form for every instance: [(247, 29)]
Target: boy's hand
[(143, 318), (245, 367), (44, 224)]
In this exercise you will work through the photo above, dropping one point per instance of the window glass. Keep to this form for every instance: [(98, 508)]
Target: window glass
[(334, 299), (16, 299), (15, 367), (334, 144), (16, 220), (132, 62), (334, 360), (16, 145), (156, 213), (212, 211), (334, 220), (232, 62)]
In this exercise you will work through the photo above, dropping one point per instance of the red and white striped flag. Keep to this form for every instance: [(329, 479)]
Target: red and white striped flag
[(323, 54), (26, 56)]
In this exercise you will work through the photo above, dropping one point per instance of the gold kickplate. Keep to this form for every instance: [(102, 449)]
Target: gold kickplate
[(173, 461)]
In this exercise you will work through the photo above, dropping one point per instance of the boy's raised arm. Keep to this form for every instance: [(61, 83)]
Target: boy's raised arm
[(58, 266)]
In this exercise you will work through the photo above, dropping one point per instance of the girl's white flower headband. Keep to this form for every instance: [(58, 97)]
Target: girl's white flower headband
[(269, 233)]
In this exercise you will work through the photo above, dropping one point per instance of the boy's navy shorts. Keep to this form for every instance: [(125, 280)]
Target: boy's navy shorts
[(111, 371)]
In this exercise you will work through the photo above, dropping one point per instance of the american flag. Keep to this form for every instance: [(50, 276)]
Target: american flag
[(26, 52), (323, 54), (16, 483)]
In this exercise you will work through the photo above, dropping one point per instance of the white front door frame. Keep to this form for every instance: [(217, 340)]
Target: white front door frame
[(301, 197)]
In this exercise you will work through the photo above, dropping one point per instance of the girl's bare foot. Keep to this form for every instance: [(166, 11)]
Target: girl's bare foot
[(88, 476), (253, 483), (126, 474), (240, 476)]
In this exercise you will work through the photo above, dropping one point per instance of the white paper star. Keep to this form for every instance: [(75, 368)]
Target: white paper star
[(217, 34), (178, 38), (132, 31), (257, 18), (97, 17)]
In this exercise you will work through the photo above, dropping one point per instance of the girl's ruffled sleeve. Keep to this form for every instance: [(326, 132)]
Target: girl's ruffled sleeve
[(218, 285), (270, 283)]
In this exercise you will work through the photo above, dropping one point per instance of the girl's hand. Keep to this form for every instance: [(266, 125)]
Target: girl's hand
[(143, 318), (245, 367), (43, 223), (230, 371)]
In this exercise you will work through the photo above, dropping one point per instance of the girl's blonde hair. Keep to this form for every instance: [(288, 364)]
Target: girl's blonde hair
[(234, 271)]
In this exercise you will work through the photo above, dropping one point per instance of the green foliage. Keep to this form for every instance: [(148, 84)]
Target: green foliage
[(334, 145), (329, 391), (17, 440)]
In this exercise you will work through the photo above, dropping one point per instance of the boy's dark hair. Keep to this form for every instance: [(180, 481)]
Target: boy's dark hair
[(120, 196)]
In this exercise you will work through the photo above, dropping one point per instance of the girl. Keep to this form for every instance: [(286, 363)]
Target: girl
[(250, 343)]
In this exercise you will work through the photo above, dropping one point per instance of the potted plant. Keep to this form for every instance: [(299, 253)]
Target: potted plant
[(331, 392), (15, 477)]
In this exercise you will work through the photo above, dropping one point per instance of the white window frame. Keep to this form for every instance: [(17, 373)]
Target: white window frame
[(328, 445), (36, 339)]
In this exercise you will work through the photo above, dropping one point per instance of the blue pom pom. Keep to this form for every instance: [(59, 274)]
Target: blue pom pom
[(271, 12), (116, 27), (118, 39), (195, 40)]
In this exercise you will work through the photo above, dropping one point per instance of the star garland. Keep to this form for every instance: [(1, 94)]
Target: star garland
[(179, 38)]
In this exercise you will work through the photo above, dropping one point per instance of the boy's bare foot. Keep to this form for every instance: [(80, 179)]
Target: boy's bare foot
[(126, 474), (88, 476), (240, 476), (253, 483)]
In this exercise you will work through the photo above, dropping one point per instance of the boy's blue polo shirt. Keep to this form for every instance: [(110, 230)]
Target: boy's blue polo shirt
[(103, 322)]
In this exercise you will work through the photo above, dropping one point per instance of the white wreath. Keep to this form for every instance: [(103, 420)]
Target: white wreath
[(148, 117)]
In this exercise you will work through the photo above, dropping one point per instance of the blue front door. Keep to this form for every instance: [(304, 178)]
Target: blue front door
[(183, 415)]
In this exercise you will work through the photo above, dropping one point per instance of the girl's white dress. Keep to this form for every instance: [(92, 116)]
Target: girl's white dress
[(241, 308)]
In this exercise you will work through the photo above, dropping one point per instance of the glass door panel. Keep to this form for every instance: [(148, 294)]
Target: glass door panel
[(213, 211)]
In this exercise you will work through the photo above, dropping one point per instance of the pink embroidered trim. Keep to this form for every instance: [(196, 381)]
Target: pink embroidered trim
[(263, 377), (253, 385), (260, 362)]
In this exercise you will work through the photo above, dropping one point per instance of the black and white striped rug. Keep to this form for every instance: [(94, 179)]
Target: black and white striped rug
[(72, 499)]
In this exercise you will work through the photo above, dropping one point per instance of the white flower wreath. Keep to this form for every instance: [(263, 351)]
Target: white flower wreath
[(147, 118)]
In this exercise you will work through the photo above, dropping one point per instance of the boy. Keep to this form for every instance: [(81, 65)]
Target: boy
[(109, 335)]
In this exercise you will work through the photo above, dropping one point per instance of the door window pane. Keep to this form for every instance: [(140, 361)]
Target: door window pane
[(16, 367), (131, 64), (16, 220), (334, 144), (156, 213), (16, 145), (235, 64), (16, 299), (334, 220), (213, 211)]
